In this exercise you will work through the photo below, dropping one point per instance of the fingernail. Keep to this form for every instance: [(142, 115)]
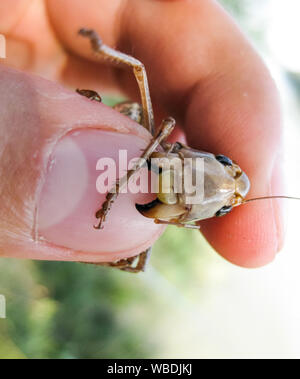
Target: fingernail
[(69, 198)]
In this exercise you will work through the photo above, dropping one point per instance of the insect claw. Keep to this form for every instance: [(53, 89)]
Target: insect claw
[(99, 225), (92, 95), (85, 31), (92, 35)]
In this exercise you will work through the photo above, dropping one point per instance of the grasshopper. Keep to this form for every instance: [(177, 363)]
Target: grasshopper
[(225, 184)]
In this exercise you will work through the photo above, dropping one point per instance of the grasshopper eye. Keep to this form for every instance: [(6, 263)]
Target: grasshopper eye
[(224, 211), (224, 160)]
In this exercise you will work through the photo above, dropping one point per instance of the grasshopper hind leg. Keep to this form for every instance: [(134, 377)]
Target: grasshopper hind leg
[(116, 57)]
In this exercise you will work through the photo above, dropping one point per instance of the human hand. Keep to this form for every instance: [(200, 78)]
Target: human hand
[(201, 70)]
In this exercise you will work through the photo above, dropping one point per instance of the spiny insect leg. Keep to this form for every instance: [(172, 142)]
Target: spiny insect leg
[(92, 95), (134, 264), (142, 260), (165, 130), (179, 224), (139, 71)]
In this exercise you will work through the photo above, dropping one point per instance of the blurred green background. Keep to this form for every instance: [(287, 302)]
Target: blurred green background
[(71, 310)]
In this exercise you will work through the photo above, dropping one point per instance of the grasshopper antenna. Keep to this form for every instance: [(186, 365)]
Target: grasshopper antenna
[(270, 197)]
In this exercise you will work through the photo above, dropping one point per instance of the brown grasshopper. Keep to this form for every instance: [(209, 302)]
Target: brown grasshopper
[(225, 184)]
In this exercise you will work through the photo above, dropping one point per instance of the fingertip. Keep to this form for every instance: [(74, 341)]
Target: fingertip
[(51, 141), (246, 237), (70, 197)]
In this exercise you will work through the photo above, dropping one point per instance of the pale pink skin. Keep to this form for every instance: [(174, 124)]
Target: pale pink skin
[(202, 71), (49, 194)]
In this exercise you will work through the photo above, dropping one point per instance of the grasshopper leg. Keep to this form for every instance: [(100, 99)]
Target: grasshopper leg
[(179, 224), (142, 260), (92, 95), (139, 71), (164, 131), (134, 264)]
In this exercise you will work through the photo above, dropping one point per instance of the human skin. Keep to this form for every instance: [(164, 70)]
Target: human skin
[(202, 71)]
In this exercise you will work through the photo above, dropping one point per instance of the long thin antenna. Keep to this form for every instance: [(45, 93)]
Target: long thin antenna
[(271, 197)]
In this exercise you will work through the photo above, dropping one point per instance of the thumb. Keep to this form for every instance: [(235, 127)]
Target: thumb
[(50, 142)]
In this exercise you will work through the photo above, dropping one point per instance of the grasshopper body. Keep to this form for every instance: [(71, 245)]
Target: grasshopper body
[(225, 185)]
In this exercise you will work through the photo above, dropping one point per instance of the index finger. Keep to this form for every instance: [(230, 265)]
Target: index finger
[(203, 71)]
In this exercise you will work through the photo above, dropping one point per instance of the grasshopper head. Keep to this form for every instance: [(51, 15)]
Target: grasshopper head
[(241, 185), (224, 186)]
